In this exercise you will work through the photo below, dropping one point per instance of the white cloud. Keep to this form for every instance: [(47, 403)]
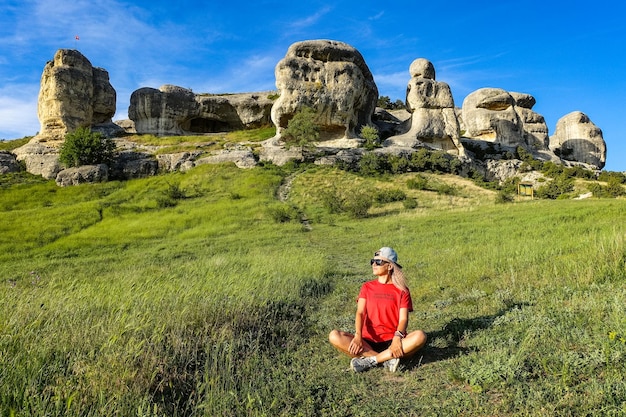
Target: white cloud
[(18, 117), (310, 20), (376, 17)]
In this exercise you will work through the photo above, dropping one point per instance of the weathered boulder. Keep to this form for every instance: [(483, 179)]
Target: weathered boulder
[(224, 113), (179, 161), (127, 125), (333, 79), (8, 163), (82, 174), (163, 111), (578, 139), (240, 155), (495, 115), (489, 115), (130, 164), (433, 119), (73, 94), (172, 110), (534, 128), (40, 159)]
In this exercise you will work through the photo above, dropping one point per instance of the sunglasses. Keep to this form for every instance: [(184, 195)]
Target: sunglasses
[(378, 262)]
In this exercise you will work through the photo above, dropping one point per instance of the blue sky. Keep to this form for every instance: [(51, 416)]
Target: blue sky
[(569, 56)]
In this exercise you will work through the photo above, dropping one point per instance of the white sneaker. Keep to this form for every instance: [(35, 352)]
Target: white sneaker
[(392, 364), (363, 363)]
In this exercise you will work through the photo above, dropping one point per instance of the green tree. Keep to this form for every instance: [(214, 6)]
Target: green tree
[(370, 134), (384, 102), (301, 129), (84, 147)]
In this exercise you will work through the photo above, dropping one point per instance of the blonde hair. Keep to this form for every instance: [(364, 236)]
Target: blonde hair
[(398, 278)]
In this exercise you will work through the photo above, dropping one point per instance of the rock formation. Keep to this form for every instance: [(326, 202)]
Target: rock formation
[(534, 128), (82, 174), (333, 79), (8, 163), (433, 120), (328, 76), (172, 110), (578, 139), (73, 94), (39, 158), (489, 115)]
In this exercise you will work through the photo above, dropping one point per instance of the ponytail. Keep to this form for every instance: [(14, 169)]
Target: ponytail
[(398, 278)]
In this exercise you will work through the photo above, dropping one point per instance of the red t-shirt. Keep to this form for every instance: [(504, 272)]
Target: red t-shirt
[(382, 309)]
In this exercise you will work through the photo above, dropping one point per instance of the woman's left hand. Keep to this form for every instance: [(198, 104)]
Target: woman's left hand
[(396, 348)]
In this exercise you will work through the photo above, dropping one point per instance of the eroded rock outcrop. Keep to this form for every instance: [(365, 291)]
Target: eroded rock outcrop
[(39, 158), (73, 94), (8, 163), (498, 116), (173, 110), (578, 139), (333, 79), (433, 120), (82, 174)]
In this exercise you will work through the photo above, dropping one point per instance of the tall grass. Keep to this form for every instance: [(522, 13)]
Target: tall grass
[(113, 304)]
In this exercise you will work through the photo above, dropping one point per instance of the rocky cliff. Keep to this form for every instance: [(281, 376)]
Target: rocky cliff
[(328, 76), (172, 110)]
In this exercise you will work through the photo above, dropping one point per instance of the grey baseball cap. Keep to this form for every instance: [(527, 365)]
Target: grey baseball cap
[(388, 254)]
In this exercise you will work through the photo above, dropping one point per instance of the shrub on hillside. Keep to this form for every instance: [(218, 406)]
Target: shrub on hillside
[(503, 197), (301, 129), (617, 176), (557, 188), (417, 183), (389, 196), (353, 202), (282, 213), (371, 165), (410, 203), (613, 189), (84, 147)]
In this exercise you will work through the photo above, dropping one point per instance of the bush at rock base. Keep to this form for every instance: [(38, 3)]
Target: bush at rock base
[(83, 147)]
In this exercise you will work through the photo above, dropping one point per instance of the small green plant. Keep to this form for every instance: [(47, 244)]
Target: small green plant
[(282, 213), (418, 183), (410, 203), (503, 197), (84, 147), (353, 202), (370, 134), (171, 195), (389, 196), (357, 204), (372, 164), (301, 129), (557, 188)]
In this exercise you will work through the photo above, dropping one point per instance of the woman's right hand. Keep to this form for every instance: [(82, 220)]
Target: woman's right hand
[(356, 345)]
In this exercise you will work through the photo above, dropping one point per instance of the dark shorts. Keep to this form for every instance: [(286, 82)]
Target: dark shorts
[(379, 346)]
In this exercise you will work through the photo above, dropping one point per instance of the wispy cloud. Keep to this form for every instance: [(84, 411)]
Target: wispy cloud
[(310, 20), (377, 16)]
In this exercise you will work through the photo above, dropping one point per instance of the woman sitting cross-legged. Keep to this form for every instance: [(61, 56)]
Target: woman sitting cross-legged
[(381, 320)]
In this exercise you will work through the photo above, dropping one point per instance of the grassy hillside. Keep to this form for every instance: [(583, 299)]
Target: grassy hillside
[(202, 294)]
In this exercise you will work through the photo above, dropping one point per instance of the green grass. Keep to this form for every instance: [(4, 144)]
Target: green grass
[(114, 303), (9, 145)]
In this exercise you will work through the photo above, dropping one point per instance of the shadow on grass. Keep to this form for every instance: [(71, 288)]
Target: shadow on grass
[(451, 335)]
